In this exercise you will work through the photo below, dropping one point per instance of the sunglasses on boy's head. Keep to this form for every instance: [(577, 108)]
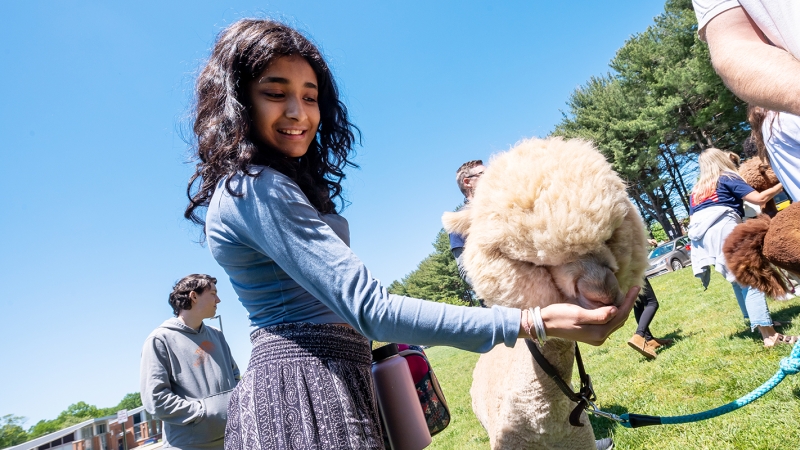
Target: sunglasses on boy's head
[(474, 175)]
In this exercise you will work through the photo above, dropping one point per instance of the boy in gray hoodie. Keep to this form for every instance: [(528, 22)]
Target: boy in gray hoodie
[(187, 371)]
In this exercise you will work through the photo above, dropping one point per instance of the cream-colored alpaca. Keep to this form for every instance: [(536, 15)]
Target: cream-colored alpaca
[(550, 219)]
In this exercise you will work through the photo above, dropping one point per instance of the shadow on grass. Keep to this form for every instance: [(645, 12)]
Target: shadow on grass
[(677, 336), (754, 336), (785, 315), (604, 427)]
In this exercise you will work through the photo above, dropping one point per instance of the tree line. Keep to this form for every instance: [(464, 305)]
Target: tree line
[(436, 277), (12, 433), (657, 108)]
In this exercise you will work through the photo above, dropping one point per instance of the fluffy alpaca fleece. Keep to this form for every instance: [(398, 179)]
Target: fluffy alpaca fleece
[(753, 247), (547, 215), (758, 173), (757, 245)]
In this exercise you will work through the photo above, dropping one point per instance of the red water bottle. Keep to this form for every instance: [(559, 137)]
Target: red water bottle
[(398, 401)]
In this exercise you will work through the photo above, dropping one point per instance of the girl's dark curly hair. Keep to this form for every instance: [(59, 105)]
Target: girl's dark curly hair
[(179, 297), (223, 127)]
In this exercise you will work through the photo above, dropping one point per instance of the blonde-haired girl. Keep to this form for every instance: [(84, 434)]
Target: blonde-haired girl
[(717, 206)]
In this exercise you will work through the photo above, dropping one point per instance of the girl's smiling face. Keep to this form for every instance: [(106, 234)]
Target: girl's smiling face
[(285, 111)]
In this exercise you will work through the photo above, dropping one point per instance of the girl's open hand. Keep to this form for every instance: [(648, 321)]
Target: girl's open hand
[(592, 326)]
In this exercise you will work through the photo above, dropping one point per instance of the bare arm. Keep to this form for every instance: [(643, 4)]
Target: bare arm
[(754, 70), (760, 198)]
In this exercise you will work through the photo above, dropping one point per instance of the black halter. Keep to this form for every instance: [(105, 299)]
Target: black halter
[(584, 397)]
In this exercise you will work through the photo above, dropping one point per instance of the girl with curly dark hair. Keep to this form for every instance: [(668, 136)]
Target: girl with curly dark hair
[(273, 139), (227, 139)]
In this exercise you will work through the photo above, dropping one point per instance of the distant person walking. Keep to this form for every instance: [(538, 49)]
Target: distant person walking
[(717, 206), (187, 371), (644, 310)]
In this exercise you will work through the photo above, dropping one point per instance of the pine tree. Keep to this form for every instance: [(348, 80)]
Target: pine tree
[(436, 277)]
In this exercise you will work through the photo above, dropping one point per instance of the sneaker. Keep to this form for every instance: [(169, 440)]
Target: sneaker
[(604, 444)]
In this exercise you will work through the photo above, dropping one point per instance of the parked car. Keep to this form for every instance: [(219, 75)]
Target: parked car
[(669, 257)]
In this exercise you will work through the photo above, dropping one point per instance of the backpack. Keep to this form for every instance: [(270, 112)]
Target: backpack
[(431, 397)]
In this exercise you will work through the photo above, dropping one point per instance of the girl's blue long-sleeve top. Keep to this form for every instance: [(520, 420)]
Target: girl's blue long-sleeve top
[(288, 263)]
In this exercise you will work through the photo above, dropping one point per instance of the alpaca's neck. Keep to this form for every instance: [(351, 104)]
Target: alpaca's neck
[(553, 408), (561, 355)]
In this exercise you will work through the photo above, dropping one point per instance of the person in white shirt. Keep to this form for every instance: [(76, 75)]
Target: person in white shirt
[(777, 138), (755, 46)]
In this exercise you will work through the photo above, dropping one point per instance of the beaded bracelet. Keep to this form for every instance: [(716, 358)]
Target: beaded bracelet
[(527, 323)]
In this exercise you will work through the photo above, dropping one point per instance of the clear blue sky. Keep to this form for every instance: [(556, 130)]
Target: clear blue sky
[(95, 96)]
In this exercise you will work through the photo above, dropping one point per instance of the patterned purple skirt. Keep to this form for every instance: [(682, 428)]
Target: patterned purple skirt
[(308, 386)]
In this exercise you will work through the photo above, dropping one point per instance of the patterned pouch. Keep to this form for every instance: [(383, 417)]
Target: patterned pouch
[(431, 397)]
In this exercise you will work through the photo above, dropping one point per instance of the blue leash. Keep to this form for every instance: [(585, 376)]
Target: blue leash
[(788, 366)]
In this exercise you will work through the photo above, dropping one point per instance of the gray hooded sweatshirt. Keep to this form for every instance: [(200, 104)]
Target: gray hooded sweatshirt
[(186, 380)]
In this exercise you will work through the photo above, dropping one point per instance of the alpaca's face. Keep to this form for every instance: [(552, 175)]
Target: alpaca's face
[(589, 282), (531, 241)]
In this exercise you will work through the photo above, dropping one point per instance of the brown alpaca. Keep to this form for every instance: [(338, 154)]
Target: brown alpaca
[(758, 173), (754, 247)]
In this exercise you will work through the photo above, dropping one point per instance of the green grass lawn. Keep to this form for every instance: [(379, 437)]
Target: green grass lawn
[(715, 360)]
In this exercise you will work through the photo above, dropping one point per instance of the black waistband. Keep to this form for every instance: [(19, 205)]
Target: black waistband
[(299, 341)]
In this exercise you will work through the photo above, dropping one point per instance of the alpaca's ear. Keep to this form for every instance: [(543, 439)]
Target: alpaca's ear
[(457, 222)]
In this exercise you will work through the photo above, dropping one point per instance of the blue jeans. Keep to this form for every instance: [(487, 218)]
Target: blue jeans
[(753, 304)]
